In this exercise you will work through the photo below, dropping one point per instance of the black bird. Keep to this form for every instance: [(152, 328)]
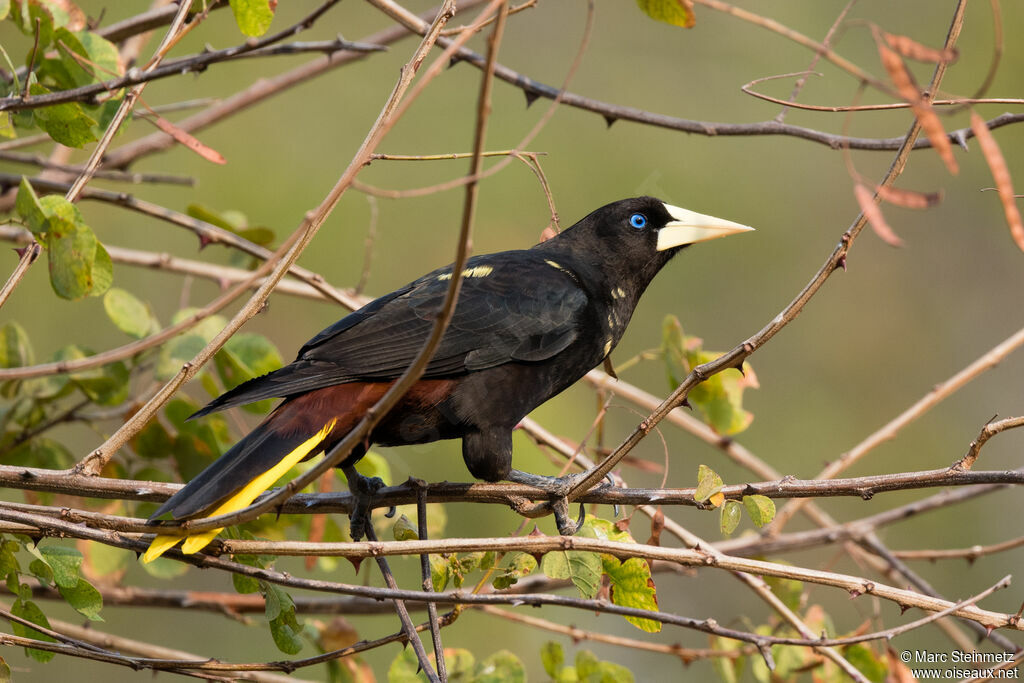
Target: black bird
[(527, 324)]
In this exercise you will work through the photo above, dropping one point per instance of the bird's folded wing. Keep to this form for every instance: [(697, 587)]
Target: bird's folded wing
[(512, 309)]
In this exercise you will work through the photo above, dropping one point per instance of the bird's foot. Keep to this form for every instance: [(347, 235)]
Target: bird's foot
[(363, 490), (558, 488)]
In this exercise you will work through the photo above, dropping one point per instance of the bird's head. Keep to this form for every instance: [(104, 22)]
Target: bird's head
[(631, 239)]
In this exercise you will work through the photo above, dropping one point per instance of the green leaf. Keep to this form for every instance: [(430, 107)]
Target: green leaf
[(440, 572), (175, 353), (98, 59), (631, 582), (404, 667), (675, 12), (731, 513), (29, 209), (66, 123), (286, 632), (71, 244), (612, 673), (182, 349), (8, 559), (760, 508), (246, 584), (5, 9), (197, 445), (790, 591), (257, 352), (258, 235), (154, 441), (28, 610), (25, 15), (252, 16), (15, 347), (84, 598), (708, 484), (729, 669), (72, 253), (65, 562), (632, 586), (552, 657), (7, 131), (519, 565), (460, 663), (130, 315), (404, 530), (280, 611), (244, 357), (470, 562), (105, 560), (5, 669), (500, 667), (866, 661), (41, 452), (106, 385), (581, 567), (164, 568), (586, 664), (102, 271), (212, 217), (719, 399), (41, 571)]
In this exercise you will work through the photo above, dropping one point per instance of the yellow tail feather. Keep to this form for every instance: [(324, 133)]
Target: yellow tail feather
[(242, 499)]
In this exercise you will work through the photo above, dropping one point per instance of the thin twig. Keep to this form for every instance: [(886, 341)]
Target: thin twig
[(403, 614)]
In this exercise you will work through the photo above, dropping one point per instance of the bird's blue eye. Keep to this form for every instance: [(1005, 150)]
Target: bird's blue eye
[(638, 221)]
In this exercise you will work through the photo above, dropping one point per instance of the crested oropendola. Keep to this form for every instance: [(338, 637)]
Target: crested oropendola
[(528, 323)]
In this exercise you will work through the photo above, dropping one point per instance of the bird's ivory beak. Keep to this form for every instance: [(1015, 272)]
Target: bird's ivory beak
[(687, 227)]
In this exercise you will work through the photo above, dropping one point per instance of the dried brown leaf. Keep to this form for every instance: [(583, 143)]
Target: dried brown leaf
[(547, 233), (898, 671), (926, 116), (874, 215), (1001, 176), (657, 525), (188, 140), (908, 199), (911, 49)]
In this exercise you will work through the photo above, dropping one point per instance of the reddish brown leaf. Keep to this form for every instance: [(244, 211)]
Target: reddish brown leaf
[(874, 215), (898, 671), (76, 17), (908, 199), (1001, 175), (338, 634), (547, 233), (911, 49), (657, 524), (189, 141), (922, 109)]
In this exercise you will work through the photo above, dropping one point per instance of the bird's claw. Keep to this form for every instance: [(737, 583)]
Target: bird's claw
[(558, 488), (363, 490), (566, 526)]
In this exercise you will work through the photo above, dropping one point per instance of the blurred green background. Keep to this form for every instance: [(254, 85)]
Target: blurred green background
[(873, 341)]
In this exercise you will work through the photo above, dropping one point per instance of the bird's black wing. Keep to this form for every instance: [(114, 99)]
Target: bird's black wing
[(513, 306)]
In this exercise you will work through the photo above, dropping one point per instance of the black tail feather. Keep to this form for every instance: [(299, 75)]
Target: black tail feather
[(257, 452)]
